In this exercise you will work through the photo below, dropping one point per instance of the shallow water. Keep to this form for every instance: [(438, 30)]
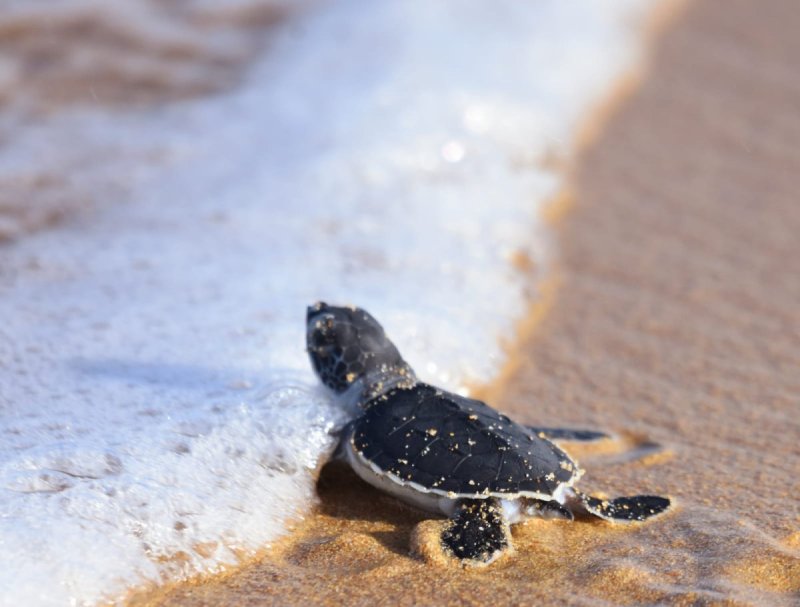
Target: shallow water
[(158, 413)]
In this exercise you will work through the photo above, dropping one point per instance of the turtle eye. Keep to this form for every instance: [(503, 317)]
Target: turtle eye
[(326, 324)]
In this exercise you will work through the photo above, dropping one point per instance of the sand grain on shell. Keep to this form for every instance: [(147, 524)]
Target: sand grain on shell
[(675, 323)]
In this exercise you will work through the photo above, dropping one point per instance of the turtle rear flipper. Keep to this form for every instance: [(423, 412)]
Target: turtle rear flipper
[(477, 533), (569, 434), (631, 508), (547, 509)]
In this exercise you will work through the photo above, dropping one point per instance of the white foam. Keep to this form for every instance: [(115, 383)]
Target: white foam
[(158, 416)]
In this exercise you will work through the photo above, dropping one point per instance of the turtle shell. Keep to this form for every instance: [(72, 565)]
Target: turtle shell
[(456, 446)]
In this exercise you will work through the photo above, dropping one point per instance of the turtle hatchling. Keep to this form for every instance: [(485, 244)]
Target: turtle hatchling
[(447, 454)]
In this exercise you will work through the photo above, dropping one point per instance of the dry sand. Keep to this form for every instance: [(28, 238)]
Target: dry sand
[(676, 324)]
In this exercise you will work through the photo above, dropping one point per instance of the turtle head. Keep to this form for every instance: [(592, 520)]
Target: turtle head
[(348, 348)]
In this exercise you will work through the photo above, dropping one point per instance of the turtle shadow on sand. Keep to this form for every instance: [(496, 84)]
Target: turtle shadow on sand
[(346, 498)]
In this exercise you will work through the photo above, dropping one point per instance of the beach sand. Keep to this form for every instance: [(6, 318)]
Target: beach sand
[(675, 323)]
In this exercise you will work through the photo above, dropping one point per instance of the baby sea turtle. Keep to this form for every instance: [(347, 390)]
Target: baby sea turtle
[(445, 453)]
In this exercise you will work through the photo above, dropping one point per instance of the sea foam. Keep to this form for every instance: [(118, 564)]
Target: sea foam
[(158, 415)]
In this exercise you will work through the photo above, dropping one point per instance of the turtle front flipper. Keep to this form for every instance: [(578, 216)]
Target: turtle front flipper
[(343, 436), (632, 508), (569, 434), (477, 533)]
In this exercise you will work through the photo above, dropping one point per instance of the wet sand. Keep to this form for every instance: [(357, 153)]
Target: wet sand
[(675, 324), (126, 58), (131, 57)]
